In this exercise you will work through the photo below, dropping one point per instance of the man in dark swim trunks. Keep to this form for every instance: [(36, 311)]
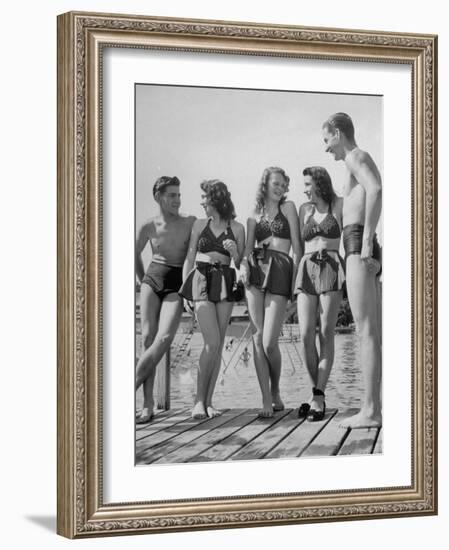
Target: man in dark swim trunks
[(361, 211), (160, 305)]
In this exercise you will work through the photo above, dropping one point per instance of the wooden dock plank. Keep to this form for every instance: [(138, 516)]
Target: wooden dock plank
[(378, 448), (164, 425), (262, 445), (157, 451), (329, 441), (174, 437), (359, 442), (160, 416), (211, 438), (299, 438), (157, 414), (236, 441), (164, 435), (164, 416)]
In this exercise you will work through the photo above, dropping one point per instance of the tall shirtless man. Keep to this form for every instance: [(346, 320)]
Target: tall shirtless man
[(361, 211), (160, 304)]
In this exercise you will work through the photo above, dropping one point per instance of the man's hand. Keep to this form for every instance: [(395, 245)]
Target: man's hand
[(367, 250), (366, 255)]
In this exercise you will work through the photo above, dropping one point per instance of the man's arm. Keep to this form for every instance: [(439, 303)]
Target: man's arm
[(191, 253), (366, 173), (142, 239)]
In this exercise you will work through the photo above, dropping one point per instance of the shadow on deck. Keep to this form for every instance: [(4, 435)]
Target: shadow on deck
[(239, 434)]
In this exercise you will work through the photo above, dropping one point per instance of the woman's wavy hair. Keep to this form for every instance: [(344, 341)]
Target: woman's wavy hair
[(323, 183), (220, 198), (263, 186)]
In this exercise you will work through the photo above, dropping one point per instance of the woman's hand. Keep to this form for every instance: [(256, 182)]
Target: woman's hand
[(310, 212), (231, 247), (244, 274)]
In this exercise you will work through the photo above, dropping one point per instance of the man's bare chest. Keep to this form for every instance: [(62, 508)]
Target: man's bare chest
[(351, 186), (167, 236)]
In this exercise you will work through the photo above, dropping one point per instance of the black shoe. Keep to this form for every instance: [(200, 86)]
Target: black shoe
[(314, 415), (303, 410)]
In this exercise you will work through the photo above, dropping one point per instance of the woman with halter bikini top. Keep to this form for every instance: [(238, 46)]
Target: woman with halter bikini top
[(319, 283), (268, 273)]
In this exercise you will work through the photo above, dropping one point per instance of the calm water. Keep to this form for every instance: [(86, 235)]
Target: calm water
[(237, 384)]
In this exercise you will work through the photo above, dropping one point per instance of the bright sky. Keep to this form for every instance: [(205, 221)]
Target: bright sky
[(229, 134)]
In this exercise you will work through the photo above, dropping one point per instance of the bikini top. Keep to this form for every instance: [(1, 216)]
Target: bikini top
[(278, 227), (208, 242), (327, 228)]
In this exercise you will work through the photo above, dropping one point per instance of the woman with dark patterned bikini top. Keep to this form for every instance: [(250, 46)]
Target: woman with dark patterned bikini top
[(278, 227), (208, 242), (328, 228)]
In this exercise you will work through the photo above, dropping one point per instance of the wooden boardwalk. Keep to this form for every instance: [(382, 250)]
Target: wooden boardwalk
[(239, 434)]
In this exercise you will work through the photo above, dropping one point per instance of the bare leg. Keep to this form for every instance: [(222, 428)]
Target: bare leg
[(206, 313), (255, 299), (150, 306), (224, 310), (362, 296), (275, 307), (329, 305), (169, 317), (307, 319), (148, 400), (379, 308), (379, 326)]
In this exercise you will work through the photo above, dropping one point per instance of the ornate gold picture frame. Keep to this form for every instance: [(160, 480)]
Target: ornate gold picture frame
[(82, 40)]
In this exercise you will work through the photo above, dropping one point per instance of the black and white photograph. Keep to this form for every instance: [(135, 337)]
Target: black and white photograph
[(239, 344), (258, 274)]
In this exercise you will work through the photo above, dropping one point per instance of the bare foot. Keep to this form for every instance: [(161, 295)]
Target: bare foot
[(145, 416), (212, 412), (278, 404), (362, 420), (198, 411), (266, 411)]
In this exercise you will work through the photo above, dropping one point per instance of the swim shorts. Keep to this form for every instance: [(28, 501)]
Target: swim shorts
[(352, 242), (163, 279)]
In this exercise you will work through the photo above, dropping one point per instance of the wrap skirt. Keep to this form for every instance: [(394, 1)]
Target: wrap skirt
[(271, 270), (211, 282), (319, 272)]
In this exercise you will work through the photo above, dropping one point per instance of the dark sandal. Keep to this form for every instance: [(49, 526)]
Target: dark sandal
[(303, 410), (314, 415)]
